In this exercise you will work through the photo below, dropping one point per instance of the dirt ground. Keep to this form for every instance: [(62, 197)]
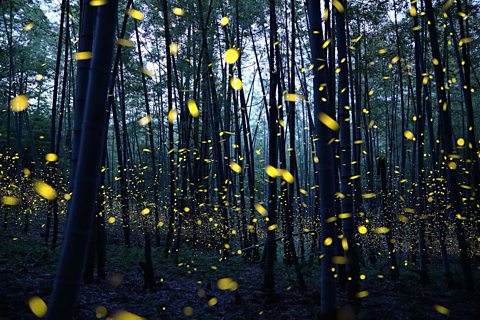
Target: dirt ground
[(186, 288)]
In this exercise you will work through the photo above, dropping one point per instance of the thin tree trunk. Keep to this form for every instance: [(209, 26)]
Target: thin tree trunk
[(348, 240), (171, 164), (420, 94), (325, 154), (270, 247), (153, 151)]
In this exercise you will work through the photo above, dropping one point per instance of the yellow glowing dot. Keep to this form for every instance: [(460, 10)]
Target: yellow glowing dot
[(235, 167), (188, 311), (369, 195), (145, 211), (173, 48), (19, 103), (125, 315), (178, 11), (338, 5), (172, 115), (227, 284), (441, 309), (363, 277), (382, 51), (292, 97), (272, 227), (382, 230), (357, 39), (135, 14), (97, 3), (326, 43), (232, 55), (111, 220), (272, 171), (51, 157), (408, 135), (193, 108), (236, 83), (464, 40), (38, 77), (100, 312), (413, 11), (145, 120), (260, 209), (362, 294), (213, 301), (10, 201), (28, 27), (328, 241), (83, 55), (26, 172), (339, 260), (460, 142), (328, 121), (125, 42), (67, 196), (45, 190), (146, 72), (362, 229), (287, 176), (452, 165), (224, 21), (38, 306), (325, 18)]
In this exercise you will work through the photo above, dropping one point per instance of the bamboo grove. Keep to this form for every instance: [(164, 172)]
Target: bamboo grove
[(339, 133)]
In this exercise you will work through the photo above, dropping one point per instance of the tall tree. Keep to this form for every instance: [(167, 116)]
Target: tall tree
[(446, 135), (324, 115), (273, 64), (420, 94), (348, 240), (81, 212), (171, 157), (52, 165)]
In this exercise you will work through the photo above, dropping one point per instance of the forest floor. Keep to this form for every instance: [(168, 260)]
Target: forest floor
[(27, 269)]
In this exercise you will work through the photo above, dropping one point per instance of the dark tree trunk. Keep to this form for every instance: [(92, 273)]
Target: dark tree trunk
[(325, 153), (387, 219), (420, 94), (52, 166), (153, 151), (348, 240), (447, 146), (171, 162), (92, 142), (270, 246)]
